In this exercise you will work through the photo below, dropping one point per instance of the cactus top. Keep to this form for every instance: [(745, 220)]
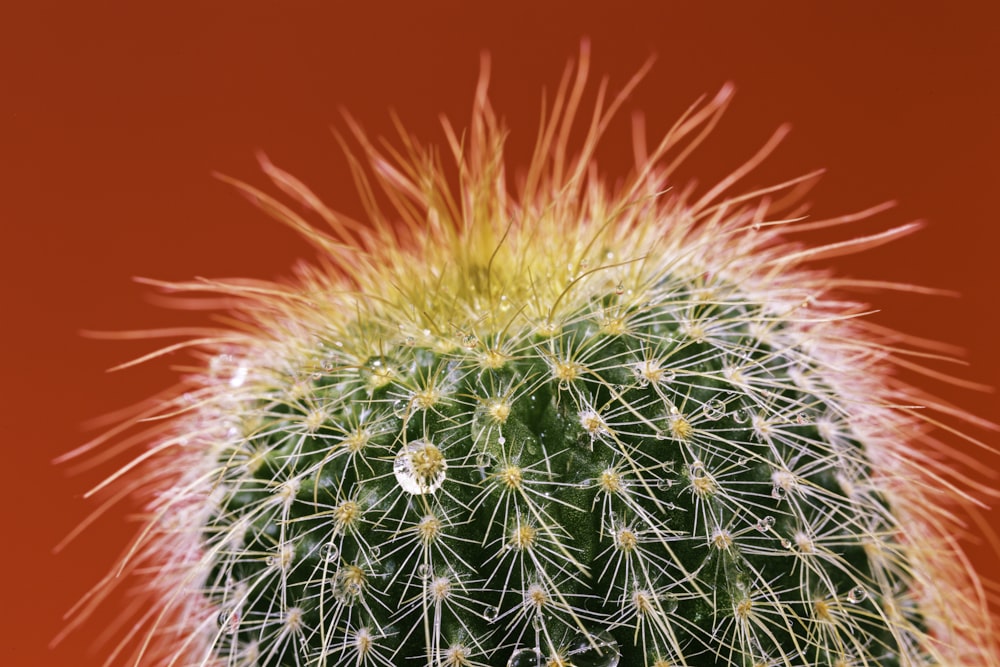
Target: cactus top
[(553, 424)]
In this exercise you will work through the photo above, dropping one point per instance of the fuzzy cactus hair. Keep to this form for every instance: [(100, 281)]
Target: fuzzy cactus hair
[(547, 420)]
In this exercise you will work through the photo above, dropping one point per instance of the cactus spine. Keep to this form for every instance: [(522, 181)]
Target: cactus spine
[(574, 425)]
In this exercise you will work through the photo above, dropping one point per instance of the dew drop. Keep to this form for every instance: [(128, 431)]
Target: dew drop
[(714, 409), (857, 594), (594, 649), (563, 385), (765, 524), (664, 484), (669, 603), (329, 552), (420, 468), (786, 543), (741, 416), (491, 614), (485, 460), (537, 623), (502, 440), (778, 492), (668, 376), (620, 289), (424, 571), (229, 620), (756, 226), (660, 434), (374, 551), (526, 657)]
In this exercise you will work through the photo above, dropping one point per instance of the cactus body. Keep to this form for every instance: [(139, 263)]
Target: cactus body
[(571, 426)]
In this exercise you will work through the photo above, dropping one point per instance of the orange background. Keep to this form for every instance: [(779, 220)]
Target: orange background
[(114, 115)]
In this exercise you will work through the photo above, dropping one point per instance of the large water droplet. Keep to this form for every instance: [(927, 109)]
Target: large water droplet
[(526, 657), (491, 613), (741, 416), (420, 468), (669, 603), (597, 649), (857, 594), (329, 552)]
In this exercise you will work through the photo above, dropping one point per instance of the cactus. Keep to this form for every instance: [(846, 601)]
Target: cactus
[(558, 424)]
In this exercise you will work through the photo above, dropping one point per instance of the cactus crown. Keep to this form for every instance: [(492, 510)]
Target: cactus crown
[(567, 425)]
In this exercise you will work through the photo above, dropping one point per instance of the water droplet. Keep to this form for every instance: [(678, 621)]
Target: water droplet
[(425, 571), (778, 492), (537, 623), (786, 544), (668, 376), (502, 440), (664, 484), (857, 594), (714, 409), (620, 289), (756, 226), (470, 342), (564, 385), (765, 524), (229, 620), (327, 365), (802, 419), (741, 416), (669, 603), (526, 657), (696, 470), (594, 649), (485, 460), (374, 551), (660, 434), (329, 552), (420, 468), (399, 408), (491, 614)]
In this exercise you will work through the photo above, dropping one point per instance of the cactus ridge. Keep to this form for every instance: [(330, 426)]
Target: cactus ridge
[(571, 425)]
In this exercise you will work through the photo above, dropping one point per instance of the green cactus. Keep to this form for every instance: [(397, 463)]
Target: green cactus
[(571, 425)]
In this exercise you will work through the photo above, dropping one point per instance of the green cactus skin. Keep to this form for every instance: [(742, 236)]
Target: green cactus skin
[(571, 426)]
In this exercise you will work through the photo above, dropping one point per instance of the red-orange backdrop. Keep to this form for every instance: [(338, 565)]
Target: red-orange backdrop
[(115, 114)]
